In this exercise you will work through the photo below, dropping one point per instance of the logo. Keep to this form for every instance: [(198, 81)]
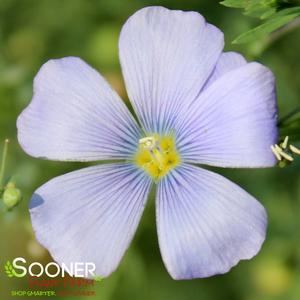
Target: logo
[(9, 270), (63, 280), (19, 268)]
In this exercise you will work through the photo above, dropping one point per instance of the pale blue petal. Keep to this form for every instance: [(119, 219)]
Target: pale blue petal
[(166, 57), (75, 115), (233, 123), (90, 215), (228, 61), (206, 224)]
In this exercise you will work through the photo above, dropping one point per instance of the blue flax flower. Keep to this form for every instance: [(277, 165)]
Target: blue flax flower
[(195, 104)]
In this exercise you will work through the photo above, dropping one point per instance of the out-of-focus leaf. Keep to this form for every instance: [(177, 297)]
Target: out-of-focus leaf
[(289, 11), (290, 124), (102, 47), (254, 8), (268, 13), (292, 129), (257, 8), (291, 121), (279, 20), (235, 3)]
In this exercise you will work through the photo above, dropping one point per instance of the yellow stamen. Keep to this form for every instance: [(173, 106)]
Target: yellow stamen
[(283, 154), (147, 142), (295, 149), (274, 150), (285, 142), (157, 155)]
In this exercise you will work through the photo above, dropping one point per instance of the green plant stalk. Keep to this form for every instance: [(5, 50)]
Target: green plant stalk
[(3, 162)]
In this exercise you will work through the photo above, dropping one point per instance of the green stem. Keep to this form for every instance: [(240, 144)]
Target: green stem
[(3, 162), (288, 116)]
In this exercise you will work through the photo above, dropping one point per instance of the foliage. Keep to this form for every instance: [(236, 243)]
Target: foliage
[(273, 13)]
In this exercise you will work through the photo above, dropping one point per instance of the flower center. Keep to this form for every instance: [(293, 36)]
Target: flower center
[(157, 155)]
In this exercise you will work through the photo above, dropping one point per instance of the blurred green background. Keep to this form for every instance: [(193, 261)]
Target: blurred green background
[(33, 31)]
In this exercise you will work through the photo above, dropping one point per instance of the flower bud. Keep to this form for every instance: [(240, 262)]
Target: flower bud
[(11, 196)]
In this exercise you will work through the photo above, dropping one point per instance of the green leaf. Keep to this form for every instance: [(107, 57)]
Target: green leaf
[(269, 13), (269, 26), (289, 11), (261, 9), (256, 8), (292, 129), (235, 3), (291, 121)]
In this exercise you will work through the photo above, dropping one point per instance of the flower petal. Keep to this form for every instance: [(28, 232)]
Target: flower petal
[(90, 215), (228, 61), (166, 57), (206, 224), (75, 115), (233, 123)]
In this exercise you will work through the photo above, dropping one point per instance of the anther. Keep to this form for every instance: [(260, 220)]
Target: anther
[(295, 149), (274, 150), (285, 142), (148, 142), (157, 155), (283, 154)]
